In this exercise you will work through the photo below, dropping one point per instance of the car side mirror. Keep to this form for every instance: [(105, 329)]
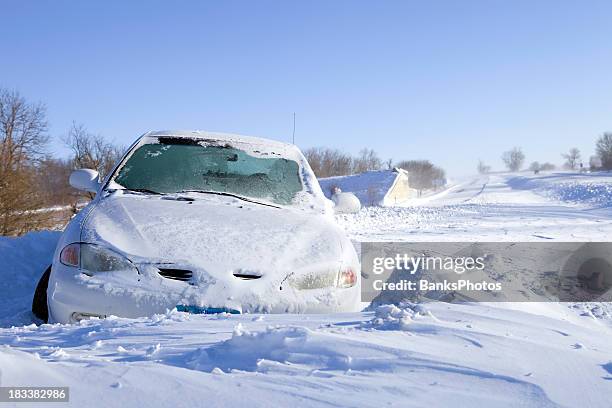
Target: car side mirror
[(346, 203), (85, 180)]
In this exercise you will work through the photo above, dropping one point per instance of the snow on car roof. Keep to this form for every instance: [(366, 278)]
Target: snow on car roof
[(226, 137)]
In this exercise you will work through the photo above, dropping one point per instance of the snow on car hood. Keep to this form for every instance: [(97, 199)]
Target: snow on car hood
[(217, 236), (214, 232)]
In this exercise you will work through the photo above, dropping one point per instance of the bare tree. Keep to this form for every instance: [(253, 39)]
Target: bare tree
[(513, 159), (483, 168), (327, 162), (572, 158), (423, 174), (535, 167), (604, 150), (91, 151), (594, 163), (23, 130), (547, 166), (53, 177), (366, 160), (23, 138)]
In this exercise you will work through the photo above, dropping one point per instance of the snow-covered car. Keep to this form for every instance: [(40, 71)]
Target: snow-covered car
[(204, 222)]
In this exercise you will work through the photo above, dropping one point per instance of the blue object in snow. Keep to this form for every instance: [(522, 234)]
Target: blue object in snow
[(205, 310)]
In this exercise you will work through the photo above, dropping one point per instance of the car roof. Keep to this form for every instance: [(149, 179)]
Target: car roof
[(224, 137)]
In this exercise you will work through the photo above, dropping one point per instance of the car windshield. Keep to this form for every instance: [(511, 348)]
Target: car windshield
[(171, 167)]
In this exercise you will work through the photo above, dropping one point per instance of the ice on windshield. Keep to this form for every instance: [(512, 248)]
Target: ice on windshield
[(170, 168)]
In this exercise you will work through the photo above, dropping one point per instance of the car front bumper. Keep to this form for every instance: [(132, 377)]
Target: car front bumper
[(73, 296)]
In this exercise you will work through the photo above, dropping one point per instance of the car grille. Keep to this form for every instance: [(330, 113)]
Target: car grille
[(182, 275), (246, 276)]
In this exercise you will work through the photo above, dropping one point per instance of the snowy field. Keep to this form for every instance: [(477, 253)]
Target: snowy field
[(434, 354), (504, 207)]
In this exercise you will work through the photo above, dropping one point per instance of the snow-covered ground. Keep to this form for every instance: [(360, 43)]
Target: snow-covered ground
[(434, 354), (498, 207)]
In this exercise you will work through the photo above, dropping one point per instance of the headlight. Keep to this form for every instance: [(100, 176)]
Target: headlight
[(94, 258), (314, 280), (345, 278)]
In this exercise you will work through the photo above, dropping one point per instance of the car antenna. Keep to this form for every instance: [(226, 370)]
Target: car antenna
[(293, 136)]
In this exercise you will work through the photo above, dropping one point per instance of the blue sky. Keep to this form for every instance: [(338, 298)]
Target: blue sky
[(449, 81)]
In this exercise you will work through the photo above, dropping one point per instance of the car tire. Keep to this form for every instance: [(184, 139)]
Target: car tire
[(39, 302)]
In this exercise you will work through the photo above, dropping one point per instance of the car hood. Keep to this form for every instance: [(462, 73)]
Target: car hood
[(214, 234)]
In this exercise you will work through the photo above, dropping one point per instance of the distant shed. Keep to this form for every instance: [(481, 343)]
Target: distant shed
[(379, 187)]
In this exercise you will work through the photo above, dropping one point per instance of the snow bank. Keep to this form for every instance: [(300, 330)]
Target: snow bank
[(593, 189), (370, 187), (495, 208), (469, 355), (18, 368), (22, 261), (258, 351), (592, 192), (595, 310)]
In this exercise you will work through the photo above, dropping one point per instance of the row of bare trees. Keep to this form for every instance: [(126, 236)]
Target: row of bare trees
[(32, 182), (326, 162), (513, 160), (602, 160)]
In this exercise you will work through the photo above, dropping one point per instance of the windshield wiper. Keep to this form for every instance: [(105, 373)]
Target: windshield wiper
[(221, 193), (142, 190)]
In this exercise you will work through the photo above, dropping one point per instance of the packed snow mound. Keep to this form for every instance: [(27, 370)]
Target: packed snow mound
[(257, 351), (396, 317), (22, 262), (370, 187)]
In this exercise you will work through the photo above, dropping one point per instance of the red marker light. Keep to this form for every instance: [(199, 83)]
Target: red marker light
[(348, 278), (70, 255)]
